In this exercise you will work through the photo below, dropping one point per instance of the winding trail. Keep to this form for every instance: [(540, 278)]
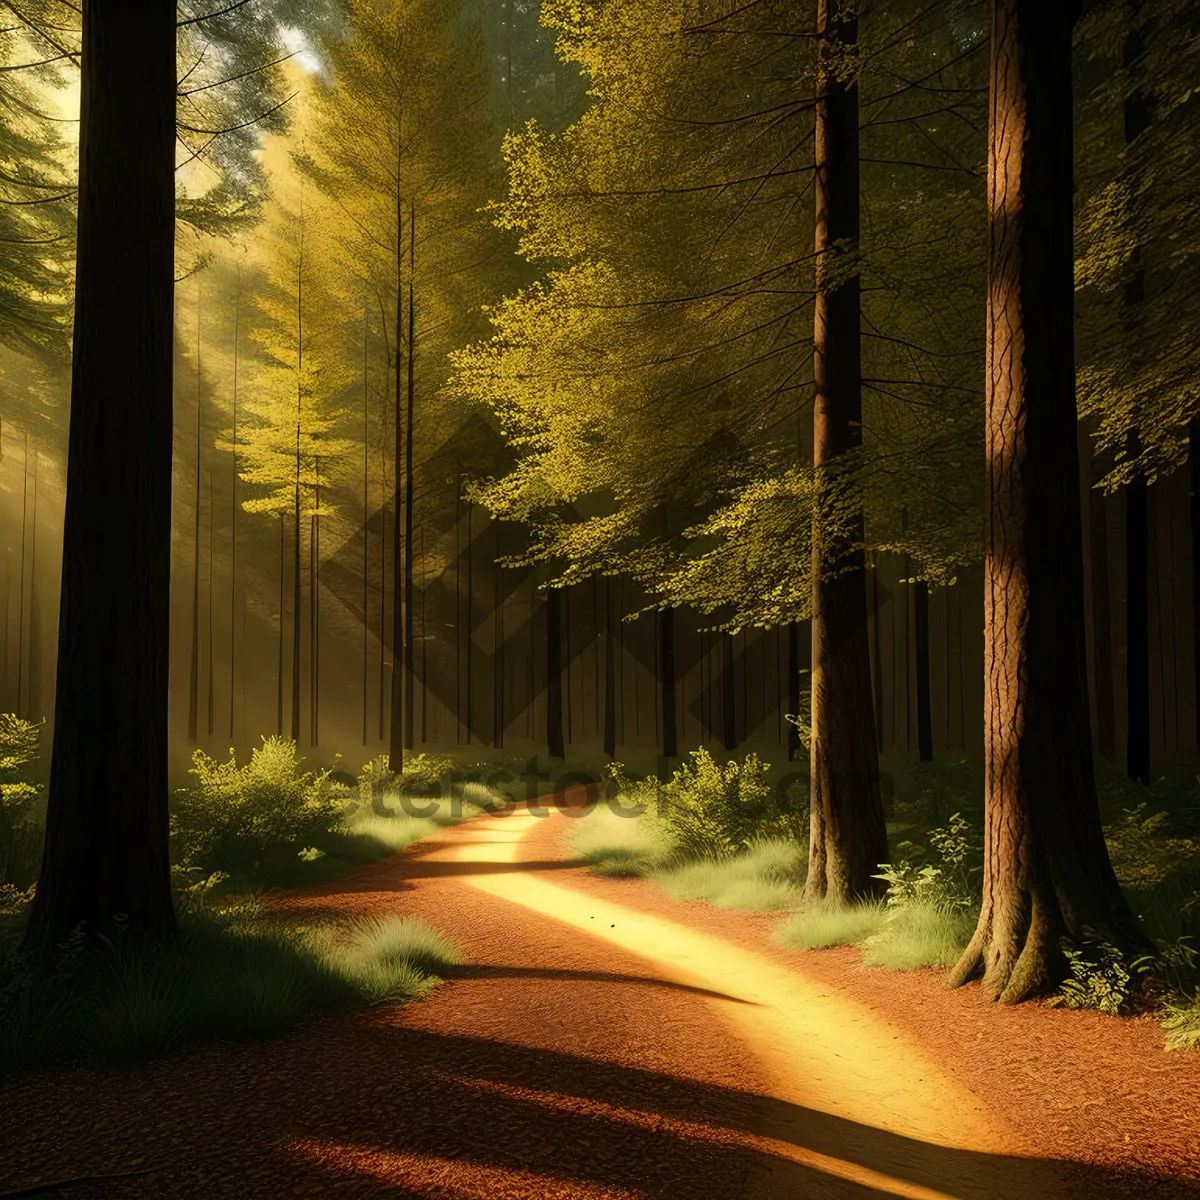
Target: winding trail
[(600, 1043)]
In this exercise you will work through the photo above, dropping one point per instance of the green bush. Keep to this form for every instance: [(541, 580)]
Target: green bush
[(232, 816), (1101, 977), (716, 811), (21, 810)]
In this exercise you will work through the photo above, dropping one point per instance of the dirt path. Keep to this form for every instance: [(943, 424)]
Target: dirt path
[(603, 1042)]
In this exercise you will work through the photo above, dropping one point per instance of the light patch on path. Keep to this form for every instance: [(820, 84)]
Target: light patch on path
[(821, 1050)]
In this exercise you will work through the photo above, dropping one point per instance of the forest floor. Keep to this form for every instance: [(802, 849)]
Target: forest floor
[(606, 1041)]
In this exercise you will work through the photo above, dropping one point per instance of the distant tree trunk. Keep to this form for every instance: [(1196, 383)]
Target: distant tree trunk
[(409, 488), (211, 711), (877, 651), (282, 622), (396, 725), (296, 584), (194, 661), (34, 710), (554, 697), (498, 649), (21, 711), (728, 694), (469, 624), (793, 689), (233, 507), (666, 682), (924, 711), (848, 839), (366, 621), (106, 865), (610, 677), (1106, 718), (1046, 867)]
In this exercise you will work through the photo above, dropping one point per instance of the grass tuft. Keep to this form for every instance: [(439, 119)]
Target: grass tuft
[(818, 926), (621, 847), (766, 876), (919, 935)]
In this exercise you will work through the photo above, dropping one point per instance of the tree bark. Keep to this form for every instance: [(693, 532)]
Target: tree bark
[(793, 689), (728, 694), (194, 661), (554, 698), (1046, 868), (1194, 505), (106, 865), (848, 839), (610, 677)]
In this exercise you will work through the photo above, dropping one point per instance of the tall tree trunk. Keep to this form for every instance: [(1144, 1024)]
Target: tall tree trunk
[(399, 549), (554, 662), (1136, 115), (194, 661), (877, 650), (848, 839), (21, 607), (233, 506), (666, 682), (610, 677), (921, 631), (106, 865), (1194, 463), (728, 694), (34, 708), (409, 667), (282, 624), (1046, 867), (794, 668), (1106, 717), (498, 648), (211, 711), (366, 663)]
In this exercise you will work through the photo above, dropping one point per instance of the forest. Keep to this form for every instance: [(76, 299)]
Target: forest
[(601, 598)]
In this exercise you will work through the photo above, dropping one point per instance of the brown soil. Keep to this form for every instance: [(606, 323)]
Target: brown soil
[(557, 1064)]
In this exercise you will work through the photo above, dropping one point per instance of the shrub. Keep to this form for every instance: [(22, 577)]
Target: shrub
[(20, 810), (233, 815), (1182, 1022), (716, 811), (1101, 977)]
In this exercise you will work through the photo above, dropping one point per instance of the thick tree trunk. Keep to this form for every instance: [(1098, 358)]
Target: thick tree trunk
[(1194, 462), (554, 667), (106, 866), (666, 682), (921, 638), (848, 839), (1046, 867), (1106, 717)]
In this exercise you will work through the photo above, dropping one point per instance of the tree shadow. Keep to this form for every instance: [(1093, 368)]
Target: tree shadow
[(363, 1106)]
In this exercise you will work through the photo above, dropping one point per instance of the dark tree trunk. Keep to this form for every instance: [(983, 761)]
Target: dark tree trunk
[(921, 631), (1136, 115), (1137, 633), (409, 666), (1106, 717), (34, 709), (296, 585), (233, 507), (211, 680), (21, 711), (877, 651), (366, 663), (1194, 462), (728, 694), (106, 865), (610, 677), (554, 698), (498, 647), (666, 677), (282, 624), (848, 839), (1046, 867)]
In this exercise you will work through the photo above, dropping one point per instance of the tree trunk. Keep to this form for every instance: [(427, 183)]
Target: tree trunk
[(1194, 462), (282, 624), (1046, 867), (610, 677), (794, 638), (233, 507), (399, 546), (366, 666), (21, 711), (106, 866), (1137, 578), (554, 699), (498, 647), (728, 695), (921, 630), (34, 708), (211, 696), (409, 490), (848, 839), (194, 661), (1106, 717), (666, 676)]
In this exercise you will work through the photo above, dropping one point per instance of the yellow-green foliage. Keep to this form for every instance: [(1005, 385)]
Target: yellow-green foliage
[(714, 811), (234, 813), (20, 804)]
